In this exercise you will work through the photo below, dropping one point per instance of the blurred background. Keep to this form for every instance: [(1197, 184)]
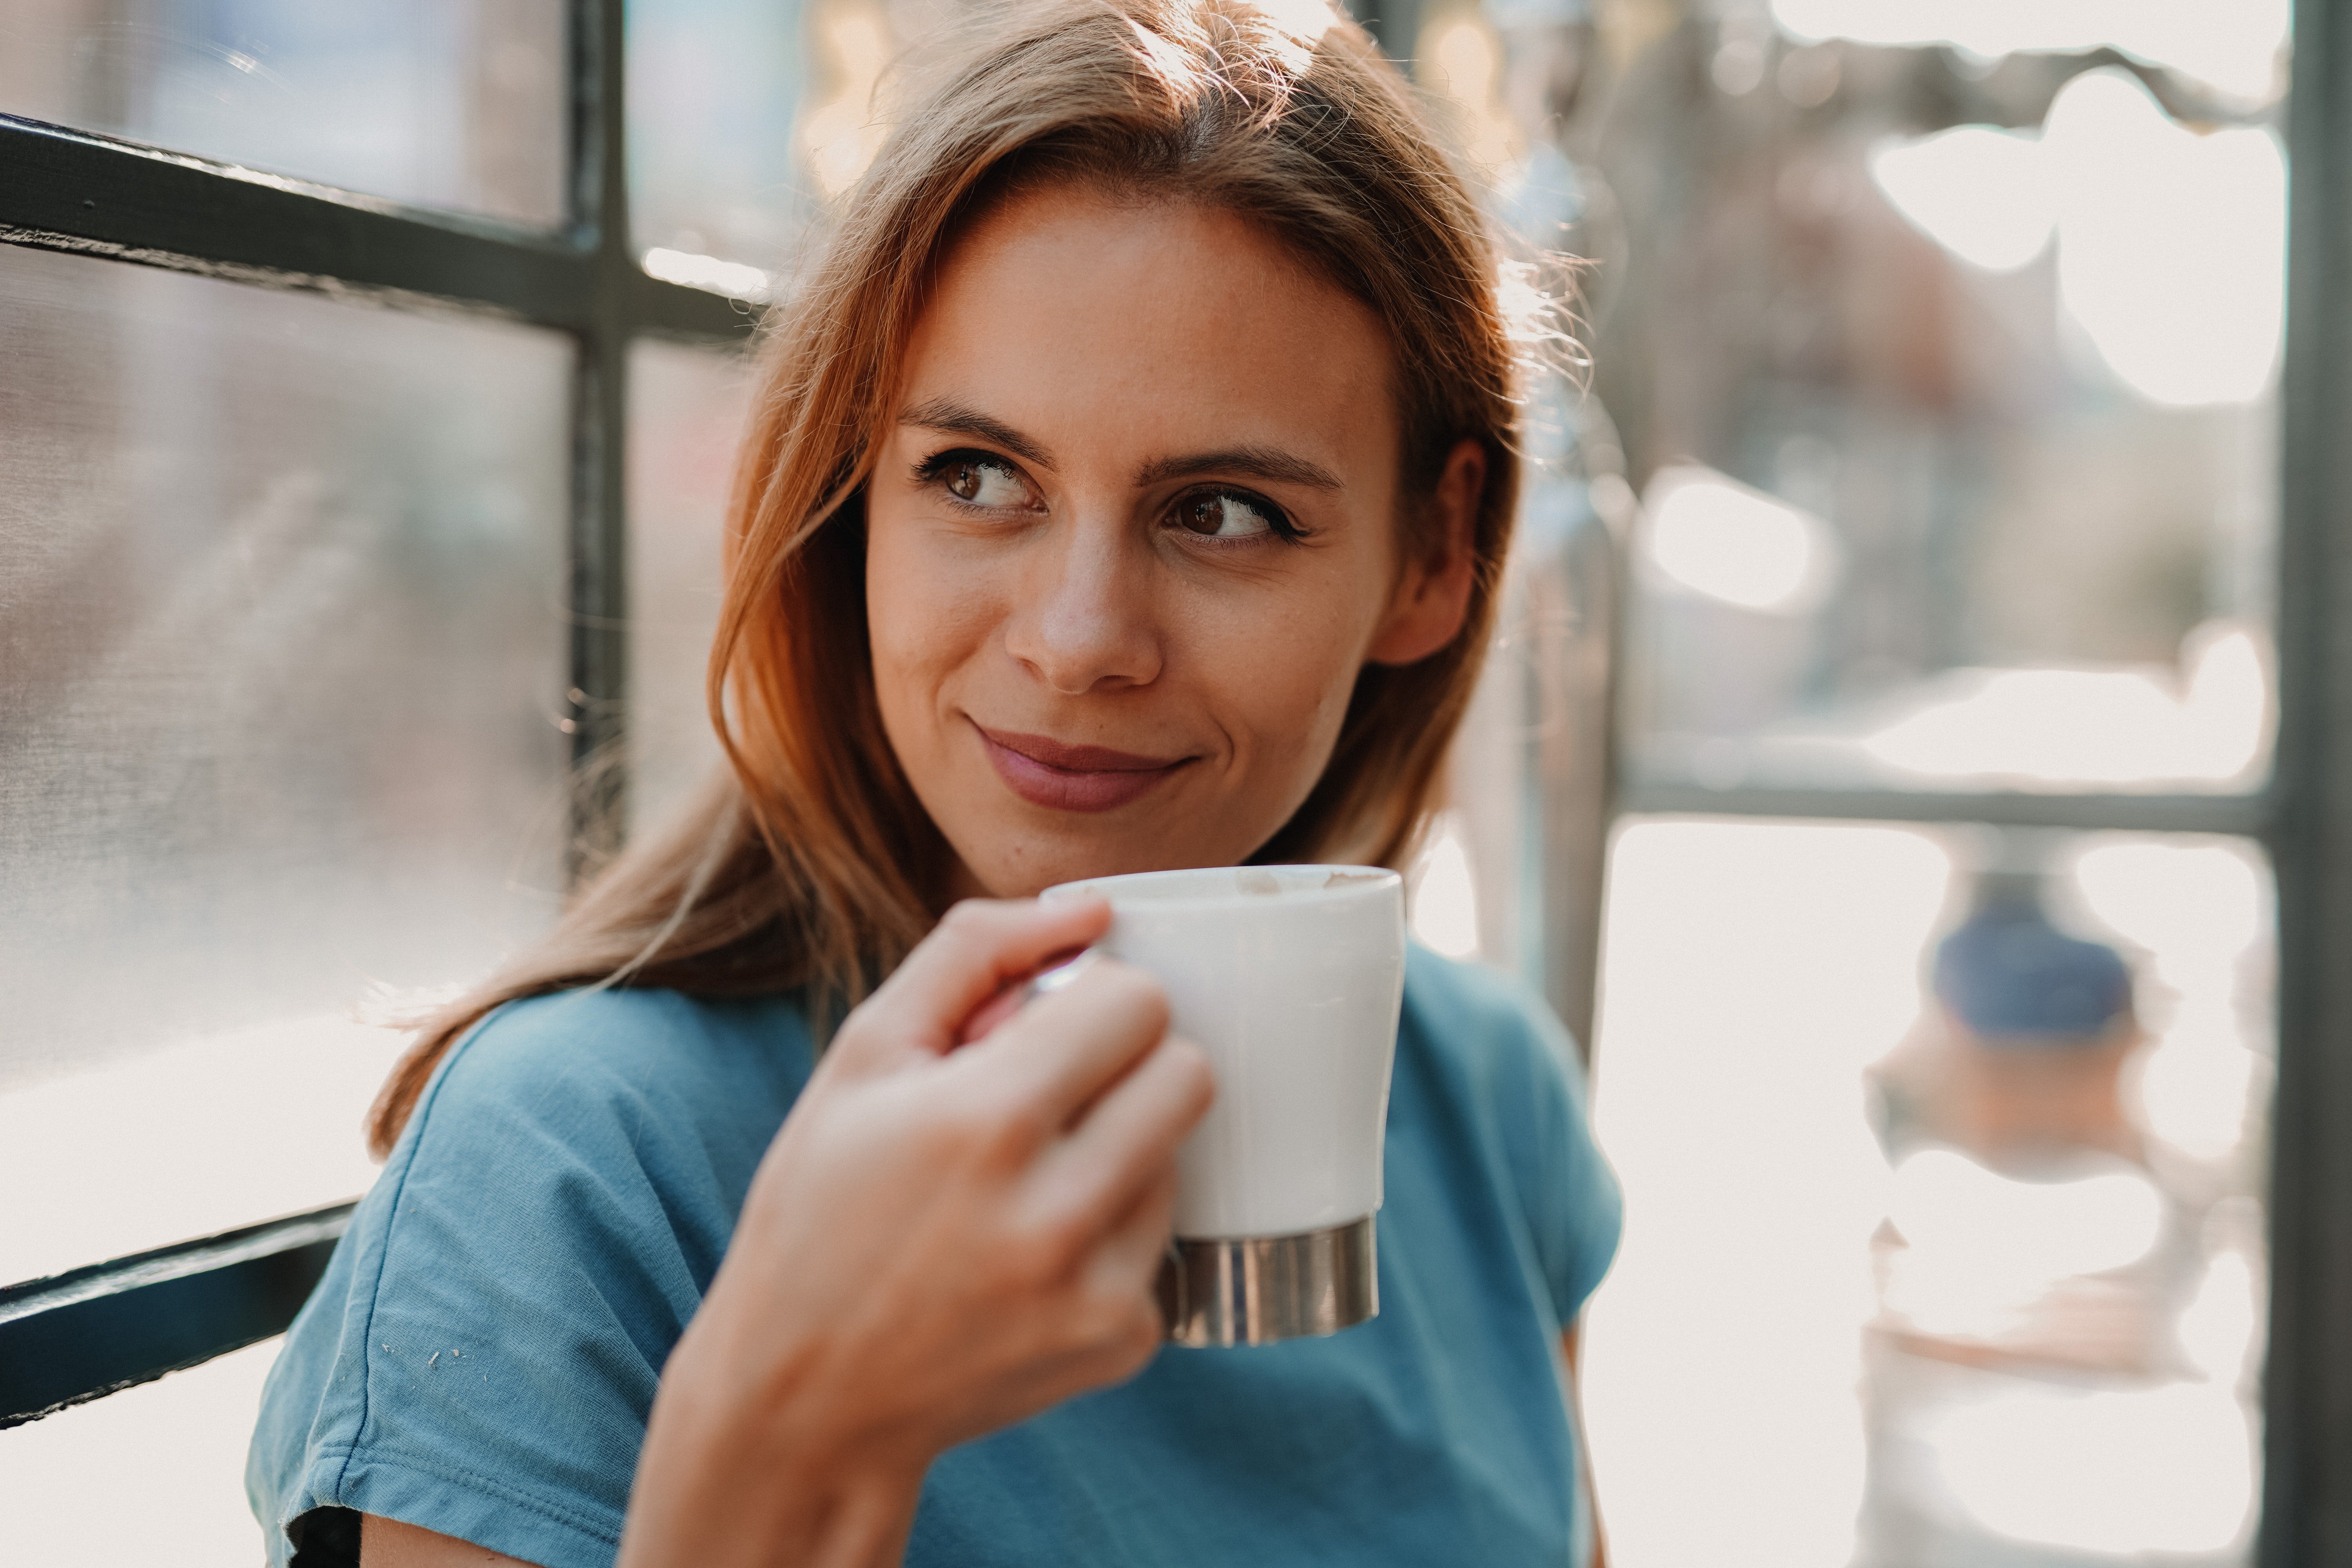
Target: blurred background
[(1868, 768)]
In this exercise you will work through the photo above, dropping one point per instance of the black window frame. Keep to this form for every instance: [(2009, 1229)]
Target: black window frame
[(93, 1332)]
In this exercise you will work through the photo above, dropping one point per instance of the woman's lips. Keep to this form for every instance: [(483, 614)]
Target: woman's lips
[(1049, 772)]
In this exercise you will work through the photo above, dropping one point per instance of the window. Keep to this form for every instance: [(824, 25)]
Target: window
[(1947, 715), (1942, 539), (443, 103), (361, 480), (1966, 617), (287, 657)]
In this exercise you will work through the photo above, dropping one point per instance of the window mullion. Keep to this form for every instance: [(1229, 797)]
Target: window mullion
[(2238, 816), (600, 198), (2308, 1502)]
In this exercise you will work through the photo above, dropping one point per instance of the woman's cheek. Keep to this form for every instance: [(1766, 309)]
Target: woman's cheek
[(922, 623), (1280, 683)]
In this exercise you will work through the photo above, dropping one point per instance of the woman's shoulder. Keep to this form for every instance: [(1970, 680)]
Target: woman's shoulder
[(1480, 1015), (1518, 1082), (619, 1104), (622, 1030), (542, 1235), (654, 1056), (607, 1115)]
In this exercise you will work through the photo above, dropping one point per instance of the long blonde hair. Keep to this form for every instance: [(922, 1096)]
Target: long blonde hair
[(808, 862)]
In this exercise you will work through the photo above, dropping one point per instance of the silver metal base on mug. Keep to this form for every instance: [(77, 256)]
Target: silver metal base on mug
[(1257, 1289)]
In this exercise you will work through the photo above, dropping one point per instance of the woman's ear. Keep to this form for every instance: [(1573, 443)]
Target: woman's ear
[(1433, 592)]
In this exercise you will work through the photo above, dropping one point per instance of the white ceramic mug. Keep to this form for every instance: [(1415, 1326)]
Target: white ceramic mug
[(1290, 978)]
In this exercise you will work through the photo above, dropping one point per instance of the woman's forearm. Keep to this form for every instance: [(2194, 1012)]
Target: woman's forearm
[(723, 1482)]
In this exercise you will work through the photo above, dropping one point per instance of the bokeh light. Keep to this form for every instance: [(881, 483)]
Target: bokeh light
[(1713, 536), (2171, 244), (2235, 47), (1983, 193)]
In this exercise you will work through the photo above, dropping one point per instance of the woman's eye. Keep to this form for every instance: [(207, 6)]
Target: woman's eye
[(1217, 515), (980, 481)]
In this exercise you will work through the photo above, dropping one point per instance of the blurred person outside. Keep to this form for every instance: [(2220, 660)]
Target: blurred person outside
[(2021, 1059), (2002, 1114)]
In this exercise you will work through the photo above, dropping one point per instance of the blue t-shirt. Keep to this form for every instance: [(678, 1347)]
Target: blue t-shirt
[(481, 1356)]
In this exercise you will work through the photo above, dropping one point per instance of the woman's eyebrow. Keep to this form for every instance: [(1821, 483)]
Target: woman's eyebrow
[(1258, 462), (946, 414)]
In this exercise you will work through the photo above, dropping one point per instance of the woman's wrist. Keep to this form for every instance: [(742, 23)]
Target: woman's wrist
[(733, 1475)]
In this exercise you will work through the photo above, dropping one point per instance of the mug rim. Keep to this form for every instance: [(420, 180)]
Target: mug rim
[(1362, 881)]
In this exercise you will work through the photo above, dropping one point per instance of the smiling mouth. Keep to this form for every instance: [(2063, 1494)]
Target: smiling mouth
[(1050, 772)]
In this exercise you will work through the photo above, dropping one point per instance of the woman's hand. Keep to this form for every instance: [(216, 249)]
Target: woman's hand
[(938, 1243)]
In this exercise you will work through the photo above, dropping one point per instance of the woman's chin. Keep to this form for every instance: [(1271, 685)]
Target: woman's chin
[(1026, 869)]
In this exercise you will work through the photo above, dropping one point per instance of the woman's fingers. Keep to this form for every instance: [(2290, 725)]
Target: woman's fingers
[(979, 947), (1070, 1045), (1129, 1256), (1125, 1145)]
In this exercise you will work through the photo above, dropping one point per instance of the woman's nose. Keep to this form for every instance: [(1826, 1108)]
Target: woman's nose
[(1083, 618)]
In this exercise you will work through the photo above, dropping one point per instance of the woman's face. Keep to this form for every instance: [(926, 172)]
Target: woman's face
[(1130, 537)]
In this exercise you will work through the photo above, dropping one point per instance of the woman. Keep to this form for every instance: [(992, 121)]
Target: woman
[(1129, 490)]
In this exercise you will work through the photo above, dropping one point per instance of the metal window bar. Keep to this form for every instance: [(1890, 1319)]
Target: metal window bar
[(99, 1330), (2307, 1387), (2245, 815)]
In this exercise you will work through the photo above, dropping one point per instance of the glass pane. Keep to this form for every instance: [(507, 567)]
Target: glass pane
[(687, 411), (1946, 362), (744, 118), (716, 170), (155, 1474), (1944, 1196), (281, 660), (456, 103)]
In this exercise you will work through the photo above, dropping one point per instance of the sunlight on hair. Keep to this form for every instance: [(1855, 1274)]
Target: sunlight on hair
[(2171, 244), (1304, 20), (2115, 1473), (1751, 970), (1445, 893), (1711, 535), (844, 132), (2232, 45), (1981, 193)]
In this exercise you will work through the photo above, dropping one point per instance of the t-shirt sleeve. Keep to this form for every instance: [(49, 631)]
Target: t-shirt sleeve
[(1575, 1208), (493, 1338)]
